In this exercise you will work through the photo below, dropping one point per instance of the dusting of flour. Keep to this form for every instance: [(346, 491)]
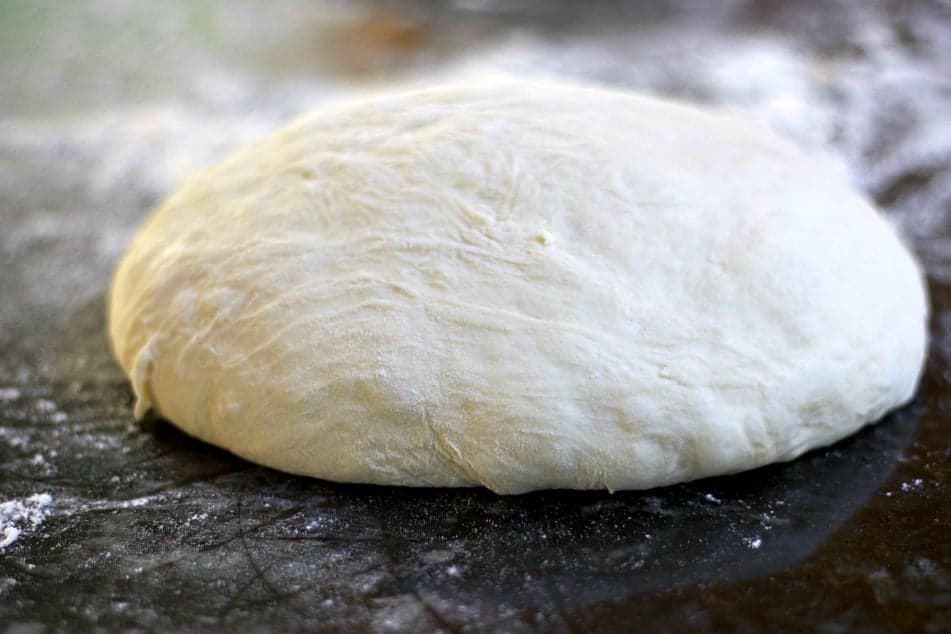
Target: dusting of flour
[(18, 517)]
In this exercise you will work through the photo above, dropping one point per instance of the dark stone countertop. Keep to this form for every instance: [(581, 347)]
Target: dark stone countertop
[(109, 524)]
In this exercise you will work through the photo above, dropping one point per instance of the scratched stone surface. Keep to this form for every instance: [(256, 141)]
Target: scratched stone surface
[(110, 524)]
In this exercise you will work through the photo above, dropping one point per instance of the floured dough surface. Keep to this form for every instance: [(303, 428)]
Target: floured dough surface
[(520, 284)]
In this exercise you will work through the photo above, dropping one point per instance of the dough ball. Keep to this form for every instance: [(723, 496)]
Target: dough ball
[(520, 284)]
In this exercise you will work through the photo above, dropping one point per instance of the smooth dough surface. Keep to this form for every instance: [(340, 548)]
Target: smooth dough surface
[(521, 284)]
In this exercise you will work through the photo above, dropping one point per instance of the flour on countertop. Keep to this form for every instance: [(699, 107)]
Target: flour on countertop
[(911, 486), (753, 542), (134, 503), (18, 517)]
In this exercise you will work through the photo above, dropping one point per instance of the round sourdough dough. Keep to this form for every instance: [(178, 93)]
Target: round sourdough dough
[(520, 284)]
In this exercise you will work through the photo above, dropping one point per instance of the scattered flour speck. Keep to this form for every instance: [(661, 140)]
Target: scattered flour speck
[(14, 439), (17, 516), (914, 484), (45, 405), (9, 393), (6, 584), (753, 542), (134, 503), (9, 535)]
